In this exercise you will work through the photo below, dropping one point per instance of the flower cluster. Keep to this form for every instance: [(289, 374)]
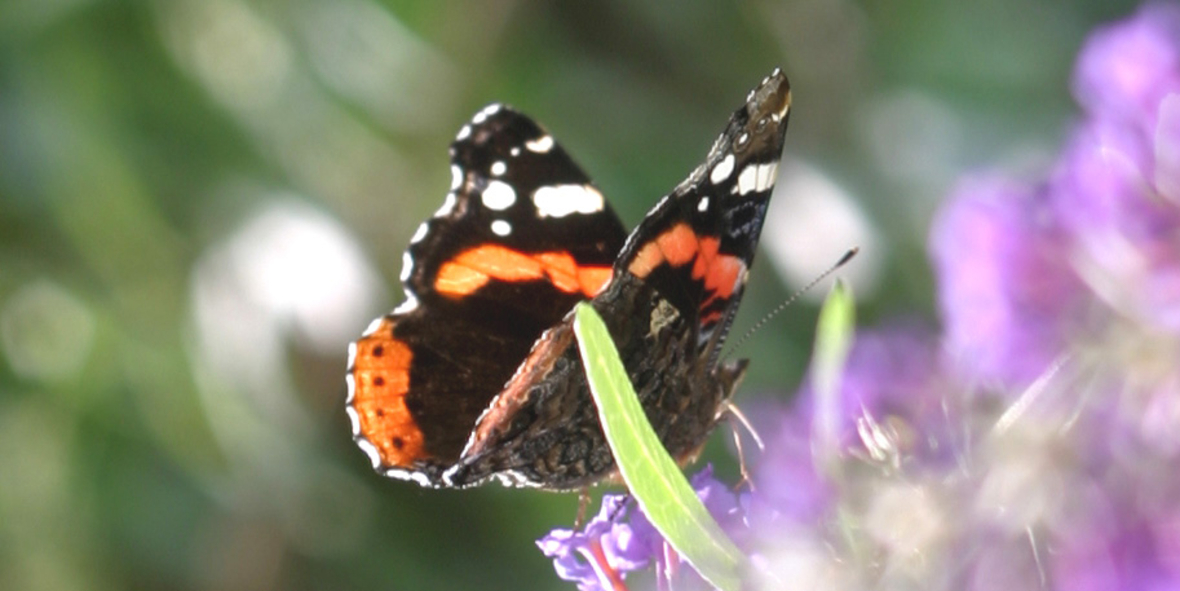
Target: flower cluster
[(1035, 443)]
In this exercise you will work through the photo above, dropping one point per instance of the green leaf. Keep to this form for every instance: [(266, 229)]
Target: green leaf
[(651, 474), (834, 336)]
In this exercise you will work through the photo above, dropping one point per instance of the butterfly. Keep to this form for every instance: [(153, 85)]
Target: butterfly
[(476, 376)]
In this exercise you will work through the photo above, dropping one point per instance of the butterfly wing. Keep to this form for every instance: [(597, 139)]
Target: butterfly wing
[(696, 246), (522, 236)]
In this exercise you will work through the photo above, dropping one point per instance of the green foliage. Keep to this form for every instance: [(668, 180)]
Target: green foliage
[(834, 336)]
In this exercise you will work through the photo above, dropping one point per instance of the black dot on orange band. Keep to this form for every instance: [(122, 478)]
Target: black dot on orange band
[(398, 442), (378, 351), (378, 381), (380, 412)]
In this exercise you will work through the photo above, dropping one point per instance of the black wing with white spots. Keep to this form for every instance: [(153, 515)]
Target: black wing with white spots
[(522, 236), (514, 186)]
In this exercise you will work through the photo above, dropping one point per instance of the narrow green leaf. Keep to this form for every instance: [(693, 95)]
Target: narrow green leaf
[(834, 336), (651, 474)]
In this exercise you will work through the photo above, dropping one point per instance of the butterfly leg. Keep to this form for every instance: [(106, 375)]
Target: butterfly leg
[(733, 415)]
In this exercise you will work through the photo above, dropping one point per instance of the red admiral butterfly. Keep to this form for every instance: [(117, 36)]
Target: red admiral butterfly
[(477, 375)]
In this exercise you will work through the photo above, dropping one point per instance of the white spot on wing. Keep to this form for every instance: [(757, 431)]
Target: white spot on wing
[(769, 172), (447, 207), (412, 476), (513, 479), (747, 179), (420, 233), (540, 145), (499, 168), (351, 363), (373, 326), (354, 420), (501, 228), (407, 306), (558, 201), (464, 133), (487, 111), (757, 177), (703, 206), (370, 450), (722, 170), (407, 266), (498, 196), (456, 177), (515, 151)]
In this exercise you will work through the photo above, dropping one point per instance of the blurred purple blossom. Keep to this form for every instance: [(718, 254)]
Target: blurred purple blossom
[(1127, 68), (1036, 442), (1117, 187), (1004, 278), (890, 385), (1030, 273)]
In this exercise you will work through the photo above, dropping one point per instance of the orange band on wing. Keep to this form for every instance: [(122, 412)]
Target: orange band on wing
[(382, 379), (473, 268), (679, 245), (675, 246), (709, 247), (646, 260), (561, 269), (592, 279), (723, 275)]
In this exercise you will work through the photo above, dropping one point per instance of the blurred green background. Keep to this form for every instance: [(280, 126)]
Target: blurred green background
[(203, 201)]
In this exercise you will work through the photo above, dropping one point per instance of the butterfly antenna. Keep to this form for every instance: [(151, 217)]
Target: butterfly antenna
[(783, 306)]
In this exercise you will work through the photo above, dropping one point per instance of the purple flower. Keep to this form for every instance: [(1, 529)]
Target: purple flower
[(582, 556), (1121, 208), (892, 379), (792, 490), (889, 390), (1126, 69), (1024, 272), (620, 539), (1085, 270), (1004, 280), (1117, 189), (1119, 527)]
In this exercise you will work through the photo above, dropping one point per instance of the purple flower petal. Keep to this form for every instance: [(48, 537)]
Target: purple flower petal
[(562, 546), (628, 541), (1004, 282), (573, 554), (1127, 68), (790, 487), (628, 550), (1125, 233), (1167, 150)]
